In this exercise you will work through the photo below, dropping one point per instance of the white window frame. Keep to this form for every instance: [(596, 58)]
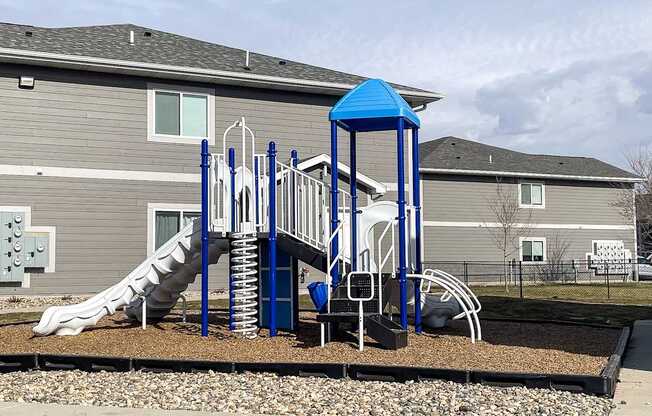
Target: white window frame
[(521, 240), (153, 208), (152, 88), (543, 195)]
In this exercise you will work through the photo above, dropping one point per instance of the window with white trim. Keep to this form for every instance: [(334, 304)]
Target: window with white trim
[(531, 195), (167, 223), (533, 249), (180, 114)]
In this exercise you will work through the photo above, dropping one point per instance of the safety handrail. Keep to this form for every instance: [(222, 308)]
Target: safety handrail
[(460, 296), (460, 284)]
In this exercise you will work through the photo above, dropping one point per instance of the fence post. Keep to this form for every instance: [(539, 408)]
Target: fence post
[(466, 273), (520, 278), (608, 286)]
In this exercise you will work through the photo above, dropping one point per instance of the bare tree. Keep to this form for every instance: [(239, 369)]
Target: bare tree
[(509, 223), (635, 201), (556, 252)]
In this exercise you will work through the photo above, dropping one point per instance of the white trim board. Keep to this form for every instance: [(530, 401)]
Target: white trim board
[(83, 173), (469, 224)]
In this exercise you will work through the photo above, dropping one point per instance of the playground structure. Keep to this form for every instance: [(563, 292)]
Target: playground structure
[(269, 215)]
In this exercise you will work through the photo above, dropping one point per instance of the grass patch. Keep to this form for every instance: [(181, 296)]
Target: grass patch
[(7, 318), (619, 293), (555, 310)]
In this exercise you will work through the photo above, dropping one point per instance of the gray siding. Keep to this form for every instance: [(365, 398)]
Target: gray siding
[(101, 227), (91, 120), (467, 198), (475, 244), (567, 203)]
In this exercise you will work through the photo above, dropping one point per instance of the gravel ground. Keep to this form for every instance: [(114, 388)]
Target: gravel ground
[(18, 302), (517, 347), (15, 303), (269, 394)]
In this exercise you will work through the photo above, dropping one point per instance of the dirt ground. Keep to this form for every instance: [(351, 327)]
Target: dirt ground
[(506, 346)]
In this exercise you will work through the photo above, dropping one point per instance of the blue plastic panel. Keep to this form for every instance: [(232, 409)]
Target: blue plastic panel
[(372, 106)]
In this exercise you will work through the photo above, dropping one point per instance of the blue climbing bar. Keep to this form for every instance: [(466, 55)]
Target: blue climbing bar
[(402, 261), (205, 164), (335, 274), (354, 201), (416, 201), (271, 153), (232, 215)]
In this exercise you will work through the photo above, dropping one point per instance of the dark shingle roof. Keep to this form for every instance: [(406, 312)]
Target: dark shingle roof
[(466, 155), (157, 47)]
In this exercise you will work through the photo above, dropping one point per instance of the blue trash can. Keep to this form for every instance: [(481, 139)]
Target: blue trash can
[(319, 294)]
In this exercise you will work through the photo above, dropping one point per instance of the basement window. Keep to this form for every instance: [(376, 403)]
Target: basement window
[(180, 114)]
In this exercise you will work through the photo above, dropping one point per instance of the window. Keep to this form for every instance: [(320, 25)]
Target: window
[(533, 249), (532, 195), (167, 221), (180, 114)]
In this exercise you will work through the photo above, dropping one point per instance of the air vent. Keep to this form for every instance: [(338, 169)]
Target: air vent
[(282, 62), (246, 63), (28, 33), (453, 144), (458, 157), (147, 34)]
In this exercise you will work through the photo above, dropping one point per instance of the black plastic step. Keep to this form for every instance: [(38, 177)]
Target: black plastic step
[(388, 333), (341, 317), (345, 305)]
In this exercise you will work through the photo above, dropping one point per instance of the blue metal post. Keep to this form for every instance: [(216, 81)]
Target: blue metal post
[(232, 215), (232, 174), (335, 274), (416, 200), (354, 202), (205, 163), (271, 153), (256, 191), (402, 261)]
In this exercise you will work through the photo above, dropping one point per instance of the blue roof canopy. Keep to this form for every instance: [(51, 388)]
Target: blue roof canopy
[(372, 106)]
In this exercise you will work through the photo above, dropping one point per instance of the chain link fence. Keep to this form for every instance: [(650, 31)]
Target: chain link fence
[(578, 280)]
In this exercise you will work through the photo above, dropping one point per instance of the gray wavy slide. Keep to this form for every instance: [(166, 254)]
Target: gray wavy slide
[(161, 278)]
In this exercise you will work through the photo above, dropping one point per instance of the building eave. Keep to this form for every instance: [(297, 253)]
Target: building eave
[(470, 172), (86, 63)]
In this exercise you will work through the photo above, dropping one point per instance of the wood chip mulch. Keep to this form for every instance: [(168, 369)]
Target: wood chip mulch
[(506, 346)]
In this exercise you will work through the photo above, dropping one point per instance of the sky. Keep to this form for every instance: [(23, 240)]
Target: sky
[(553, 77)]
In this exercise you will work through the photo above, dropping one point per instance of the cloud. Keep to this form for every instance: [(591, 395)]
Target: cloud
[(598, 107)]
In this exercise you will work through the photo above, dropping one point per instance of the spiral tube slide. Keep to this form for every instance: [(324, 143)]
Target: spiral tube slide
[(160, 279)]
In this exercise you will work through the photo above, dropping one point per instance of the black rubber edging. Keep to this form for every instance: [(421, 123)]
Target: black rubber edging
[(612, 370), (553, 322), (602, 385)]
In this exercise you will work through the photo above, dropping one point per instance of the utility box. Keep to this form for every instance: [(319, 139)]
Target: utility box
[(37, 250), (12, 246)]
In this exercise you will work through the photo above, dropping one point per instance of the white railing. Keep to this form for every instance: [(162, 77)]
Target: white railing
[(384, 258), (261, 204), (218, 192)]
